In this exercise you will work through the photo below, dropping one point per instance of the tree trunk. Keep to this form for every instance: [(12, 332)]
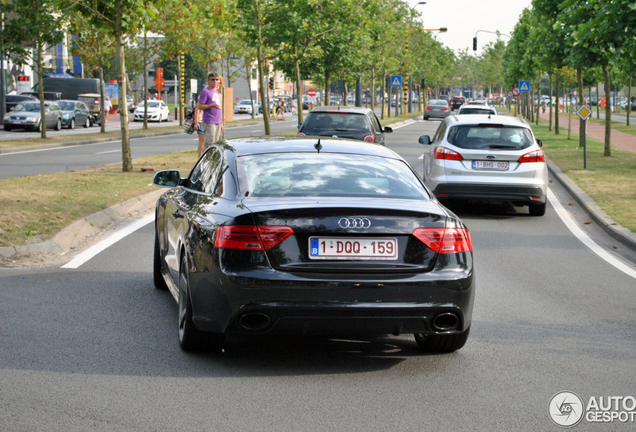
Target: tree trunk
[(550, 104), (38, 61), (629, 99), (299, 96), (570, 111), (259, 59), (102, 92), (598, 103), (383, 93), (608, 110), (121, 72), (145, 80), (557, 91), (327, 95), (372, 89), (248, 75)]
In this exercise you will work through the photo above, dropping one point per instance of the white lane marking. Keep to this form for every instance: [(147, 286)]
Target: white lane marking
[(585, 239), (110, 151), (107, 242)]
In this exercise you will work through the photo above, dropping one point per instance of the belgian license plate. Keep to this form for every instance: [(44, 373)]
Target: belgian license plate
[(491, 165), (353, 248)]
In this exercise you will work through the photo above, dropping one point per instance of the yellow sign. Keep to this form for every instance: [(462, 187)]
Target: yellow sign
[(584, 112)]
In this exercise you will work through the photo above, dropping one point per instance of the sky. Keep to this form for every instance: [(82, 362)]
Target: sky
[(464, 18)]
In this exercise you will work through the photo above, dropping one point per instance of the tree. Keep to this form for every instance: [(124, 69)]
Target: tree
[(120, 19), (32, 24)]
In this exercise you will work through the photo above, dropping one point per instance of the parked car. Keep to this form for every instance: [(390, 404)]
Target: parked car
[(157, 111), (130, 103), (344, 122), (436, 108), (243, 107), (74, 113), (26, 115), (476, 109), (12, 100), (486, 158), (456, 102), (282, 235), (260, 107), (48, 95), (93, 103)]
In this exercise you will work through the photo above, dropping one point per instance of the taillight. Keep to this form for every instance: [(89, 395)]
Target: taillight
[(445, 240), (533, 156), (446, 153), (249, 237), (428, 108), (369, 138), (444, 109)]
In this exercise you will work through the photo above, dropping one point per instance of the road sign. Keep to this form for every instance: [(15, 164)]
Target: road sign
[(171, 83), (524, 86), (159, 83), (510, 93), (584, 112), (516, 92), (396, 80), (311, 92)]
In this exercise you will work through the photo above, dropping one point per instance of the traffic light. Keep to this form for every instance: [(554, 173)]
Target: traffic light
[(475, 43), (23, 78), (271, 83)]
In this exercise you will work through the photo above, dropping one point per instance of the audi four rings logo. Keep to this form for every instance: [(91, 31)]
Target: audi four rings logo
[(354, 223)]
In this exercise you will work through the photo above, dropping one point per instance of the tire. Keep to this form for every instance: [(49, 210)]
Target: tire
[(444, 343), (537, 209), (190, 337), (157, 277), (7, 128), (87, 124), (425, 118), (58, 125), (72, 124)]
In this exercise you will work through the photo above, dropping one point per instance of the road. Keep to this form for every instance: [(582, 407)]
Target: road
[(95, 348), (70, 158)]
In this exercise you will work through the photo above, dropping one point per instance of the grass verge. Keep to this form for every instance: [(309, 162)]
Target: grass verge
[(36, 208), (609, 181)]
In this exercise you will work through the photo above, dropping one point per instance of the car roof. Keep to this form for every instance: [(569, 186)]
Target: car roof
[(282, 144), (483, 119), (341, 109)]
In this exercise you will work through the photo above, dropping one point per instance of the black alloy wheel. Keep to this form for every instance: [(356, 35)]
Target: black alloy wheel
[(190, 337), (442, 343)]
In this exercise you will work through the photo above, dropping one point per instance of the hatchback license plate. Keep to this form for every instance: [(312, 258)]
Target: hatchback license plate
[(353, 248), (491, 165)]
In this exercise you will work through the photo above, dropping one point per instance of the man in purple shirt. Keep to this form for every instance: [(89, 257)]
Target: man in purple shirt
[(210, 104)]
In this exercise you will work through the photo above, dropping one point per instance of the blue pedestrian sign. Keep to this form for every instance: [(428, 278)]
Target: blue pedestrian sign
[(396, 80), (524, 86)]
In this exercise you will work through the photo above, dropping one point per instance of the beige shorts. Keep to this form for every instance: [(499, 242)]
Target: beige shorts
[(212, 133)]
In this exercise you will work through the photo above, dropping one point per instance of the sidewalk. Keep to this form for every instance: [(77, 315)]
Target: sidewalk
[(619, 140)]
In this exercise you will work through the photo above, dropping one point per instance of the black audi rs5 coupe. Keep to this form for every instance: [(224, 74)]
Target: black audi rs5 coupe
[(299, 235)]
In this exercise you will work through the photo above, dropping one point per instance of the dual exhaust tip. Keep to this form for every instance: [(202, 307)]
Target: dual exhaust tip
[(258, 321)]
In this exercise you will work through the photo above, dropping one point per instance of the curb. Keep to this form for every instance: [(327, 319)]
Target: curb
[(73, 235), (598, 215)]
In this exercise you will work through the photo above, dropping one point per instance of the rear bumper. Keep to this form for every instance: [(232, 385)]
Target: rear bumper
[(491, 193), (241, 305)]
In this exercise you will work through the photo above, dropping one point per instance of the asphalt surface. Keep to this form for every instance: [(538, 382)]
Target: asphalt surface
[(95, 348)]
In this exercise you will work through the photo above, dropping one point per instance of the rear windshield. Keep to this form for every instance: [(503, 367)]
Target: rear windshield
[(489, 137), (335, 121), (67, 106), (476, 111), (437, 103), (327, 175)]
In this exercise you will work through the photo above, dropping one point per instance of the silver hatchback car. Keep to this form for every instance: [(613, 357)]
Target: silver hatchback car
[(486, 158)]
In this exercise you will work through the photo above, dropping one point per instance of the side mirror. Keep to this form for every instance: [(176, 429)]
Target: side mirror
[(167, 178), (388, 129), (424, 139), (540, 143)]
